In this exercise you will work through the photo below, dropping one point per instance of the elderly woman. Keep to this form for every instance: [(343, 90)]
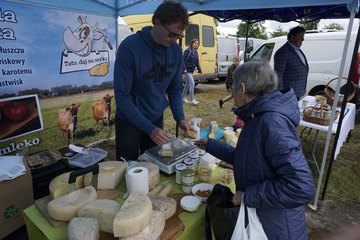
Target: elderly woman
[(270, 170)]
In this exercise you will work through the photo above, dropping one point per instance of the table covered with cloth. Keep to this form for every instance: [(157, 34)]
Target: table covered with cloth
[(39, 228)]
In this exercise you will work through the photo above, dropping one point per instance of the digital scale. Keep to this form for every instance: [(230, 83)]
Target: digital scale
[(180, 148)]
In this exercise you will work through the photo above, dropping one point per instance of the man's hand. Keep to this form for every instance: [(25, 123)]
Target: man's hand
[(237, 198), (159, 136), (185, 125)]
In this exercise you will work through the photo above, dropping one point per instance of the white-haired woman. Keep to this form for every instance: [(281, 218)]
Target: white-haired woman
[(270, 170)]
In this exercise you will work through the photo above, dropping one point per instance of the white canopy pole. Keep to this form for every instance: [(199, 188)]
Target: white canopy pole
[(336, 98)]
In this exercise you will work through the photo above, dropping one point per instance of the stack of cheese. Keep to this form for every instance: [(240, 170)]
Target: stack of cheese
[(140, 217)]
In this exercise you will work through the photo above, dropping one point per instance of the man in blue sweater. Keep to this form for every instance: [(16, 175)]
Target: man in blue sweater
[(147, 79)]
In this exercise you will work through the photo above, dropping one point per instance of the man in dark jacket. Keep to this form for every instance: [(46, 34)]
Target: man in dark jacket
[(271, 173), (290, 63)]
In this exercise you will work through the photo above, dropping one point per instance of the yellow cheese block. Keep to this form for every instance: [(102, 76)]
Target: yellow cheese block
[(59, 186), (134, 215), (103, 210), (65, 207), (110, 174)]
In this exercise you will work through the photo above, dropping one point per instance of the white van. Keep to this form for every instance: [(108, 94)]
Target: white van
[(227, 50), (324, 54), (123, 30), (253, 44)]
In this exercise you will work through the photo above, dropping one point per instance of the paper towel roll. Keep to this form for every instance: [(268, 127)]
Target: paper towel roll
[(137, 180)]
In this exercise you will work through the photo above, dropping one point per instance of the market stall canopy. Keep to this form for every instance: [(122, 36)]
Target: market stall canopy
[(223, 10)]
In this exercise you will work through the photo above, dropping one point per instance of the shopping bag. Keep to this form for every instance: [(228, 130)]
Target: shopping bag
[(253, 230), (220, 214)]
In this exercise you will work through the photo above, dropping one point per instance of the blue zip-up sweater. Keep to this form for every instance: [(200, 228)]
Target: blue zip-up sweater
[(145, 73), (269, 165), (191, 60)]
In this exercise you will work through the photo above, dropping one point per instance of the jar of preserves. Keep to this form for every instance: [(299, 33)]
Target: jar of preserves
[(178, 169), (187, 176)]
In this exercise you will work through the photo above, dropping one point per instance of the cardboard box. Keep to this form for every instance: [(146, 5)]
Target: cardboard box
[(16, 195)]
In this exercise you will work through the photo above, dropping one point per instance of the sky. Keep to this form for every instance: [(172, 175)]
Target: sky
[(230, 28)]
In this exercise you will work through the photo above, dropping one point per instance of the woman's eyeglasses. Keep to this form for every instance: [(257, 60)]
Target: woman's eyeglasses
[(173, 34)]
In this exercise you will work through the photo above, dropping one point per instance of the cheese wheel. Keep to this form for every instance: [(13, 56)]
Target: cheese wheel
[(103, 210), (65, 207), (152, 231), (134, 215), (166, 205), (154, 172), (59, 185), (83, 228), (110, 174)]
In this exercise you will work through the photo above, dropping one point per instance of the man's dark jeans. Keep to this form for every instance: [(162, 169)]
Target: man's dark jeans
[(131, 141)]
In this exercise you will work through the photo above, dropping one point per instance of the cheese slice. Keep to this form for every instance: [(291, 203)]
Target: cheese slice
[(134, 215), (103, 210), (152, 231), (166, 150), (83, 228), (110, 174), (65, 207), (59, 186)]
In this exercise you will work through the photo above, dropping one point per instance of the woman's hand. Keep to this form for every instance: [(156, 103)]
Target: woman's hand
[(201, 143), (237, 198)]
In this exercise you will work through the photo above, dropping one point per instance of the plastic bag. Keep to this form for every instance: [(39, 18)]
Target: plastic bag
[(220, 214), (253, 230)]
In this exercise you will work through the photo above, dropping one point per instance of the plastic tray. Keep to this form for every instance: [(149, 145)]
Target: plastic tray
[(88, 158)]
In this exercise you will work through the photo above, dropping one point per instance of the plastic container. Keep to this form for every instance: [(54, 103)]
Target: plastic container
[(88, 157), (178, 169)]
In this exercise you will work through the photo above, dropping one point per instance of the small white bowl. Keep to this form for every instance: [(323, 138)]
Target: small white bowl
[(202, 187), (190, 203)]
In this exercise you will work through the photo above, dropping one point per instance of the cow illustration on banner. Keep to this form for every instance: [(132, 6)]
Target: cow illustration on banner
[(86, 49)]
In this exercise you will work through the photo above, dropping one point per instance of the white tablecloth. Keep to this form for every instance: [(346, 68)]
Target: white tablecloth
[(347, 124)]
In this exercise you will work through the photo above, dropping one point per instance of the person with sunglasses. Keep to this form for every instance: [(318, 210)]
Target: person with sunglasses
[(191, 62), (148, 79)]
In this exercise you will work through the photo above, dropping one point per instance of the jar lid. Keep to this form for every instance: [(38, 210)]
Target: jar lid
[(189, 161), (188, 172), (194, 155), (200, 152), (180, 166)]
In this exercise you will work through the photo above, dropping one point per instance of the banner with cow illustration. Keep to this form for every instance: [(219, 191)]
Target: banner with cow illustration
[(56, 78)]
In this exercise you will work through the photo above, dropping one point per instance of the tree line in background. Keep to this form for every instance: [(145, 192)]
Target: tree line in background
[(63, 90), (257, 30)]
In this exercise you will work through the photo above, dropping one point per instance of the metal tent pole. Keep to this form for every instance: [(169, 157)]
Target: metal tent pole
[(343, 107), (336, 98)]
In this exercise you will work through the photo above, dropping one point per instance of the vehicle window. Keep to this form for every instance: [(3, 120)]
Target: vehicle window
[(242, 44), (264, 52), (191, 32), (208, 36)]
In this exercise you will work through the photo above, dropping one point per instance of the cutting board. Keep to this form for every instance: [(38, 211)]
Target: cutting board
[(174, 226), (41, 204), (7, 127)]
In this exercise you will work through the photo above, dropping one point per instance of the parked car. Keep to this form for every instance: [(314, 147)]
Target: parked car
[(201, 27), (324, 54), (253, 44)]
